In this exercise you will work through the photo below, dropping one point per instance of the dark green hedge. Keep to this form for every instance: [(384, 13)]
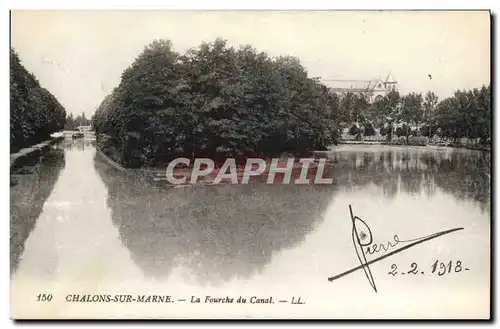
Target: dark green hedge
[(213, 101), (34, 112)]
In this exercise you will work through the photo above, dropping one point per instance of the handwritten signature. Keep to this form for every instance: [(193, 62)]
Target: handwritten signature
[(362, 239)]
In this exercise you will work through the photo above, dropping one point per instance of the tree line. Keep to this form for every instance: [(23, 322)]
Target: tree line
[(34, 112), (217, 101), (465, 114), (213, 101), (72, 123)]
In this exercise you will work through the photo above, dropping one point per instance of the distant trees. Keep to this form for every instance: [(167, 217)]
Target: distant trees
[(379, 112), (429, 105), (34, 112), (220, 101), (355, 131), (73, 123), (404, 131), (465, 114), (213, 101), (411, 113), (368, 129), (353, 107)]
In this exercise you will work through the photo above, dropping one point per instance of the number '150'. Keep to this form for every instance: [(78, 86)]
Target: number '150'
[(44, 297)]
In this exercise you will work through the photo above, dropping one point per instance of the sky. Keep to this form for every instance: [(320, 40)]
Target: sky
[(79, 55)]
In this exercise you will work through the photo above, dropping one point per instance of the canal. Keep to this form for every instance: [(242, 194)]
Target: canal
[(80, 226)]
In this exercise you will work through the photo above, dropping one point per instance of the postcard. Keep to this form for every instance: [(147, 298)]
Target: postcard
[(250, 164)]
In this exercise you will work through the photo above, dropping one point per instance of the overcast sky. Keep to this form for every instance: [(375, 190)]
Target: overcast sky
[(80, 55)]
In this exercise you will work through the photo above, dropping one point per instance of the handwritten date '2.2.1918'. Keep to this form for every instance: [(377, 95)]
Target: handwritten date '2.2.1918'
[(363, 243), (438, 268)]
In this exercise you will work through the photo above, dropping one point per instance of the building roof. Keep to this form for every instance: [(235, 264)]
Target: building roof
[(390, 78), (372, 85), (354, 85), (377, 84)]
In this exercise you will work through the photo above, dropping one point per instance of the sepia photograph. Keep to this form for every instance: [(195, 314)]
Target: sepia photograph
[(250, 164)]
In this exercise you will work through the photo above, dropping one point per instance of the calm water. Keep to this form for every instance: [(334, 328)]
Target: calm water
[(79, 226)]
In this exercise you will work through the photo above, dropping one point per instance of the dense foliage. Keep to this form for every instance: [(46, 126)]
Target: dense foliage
[(219, 101), (465, 114), (213, 101), (34, 112), (73, 123)]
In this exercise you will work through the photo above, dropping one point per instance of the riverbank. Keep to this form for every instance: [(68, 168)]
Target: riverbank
[(23, 155), (112, 163), (154, 174), (486, 148), (158, 174)]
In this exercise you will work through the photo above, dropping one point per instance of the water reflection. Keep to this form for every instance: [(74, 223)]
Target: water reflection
[(34, 184), (464, 174), (232, 231), (74, 238), (80, 144), (224, 232), (218, 233), (103, 230)]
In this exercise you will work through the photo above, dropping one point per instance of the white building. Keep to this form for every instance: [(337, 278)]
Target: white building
[(372, 89), (84, 129)]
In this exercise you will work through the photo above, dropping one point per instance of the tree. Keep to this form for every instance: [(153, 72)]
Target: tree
[(34, 112), (384, 131), (411, 112), (429, 131), (70, 122), (368, 129), (355, 131), (483, 99), (353, 107), (73, 123), (346, 104), (429, 105), (378, 112), (361, 107), (404, 130), (465, 114), (385, 112), (214, 101), (393, 104)]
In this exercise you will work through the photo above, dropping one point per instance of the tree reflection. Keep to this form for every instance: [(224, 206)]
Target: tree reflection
[(35, 182), (232, 231), (218, 232), (467, 176), (464, 174), (77, 144)]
